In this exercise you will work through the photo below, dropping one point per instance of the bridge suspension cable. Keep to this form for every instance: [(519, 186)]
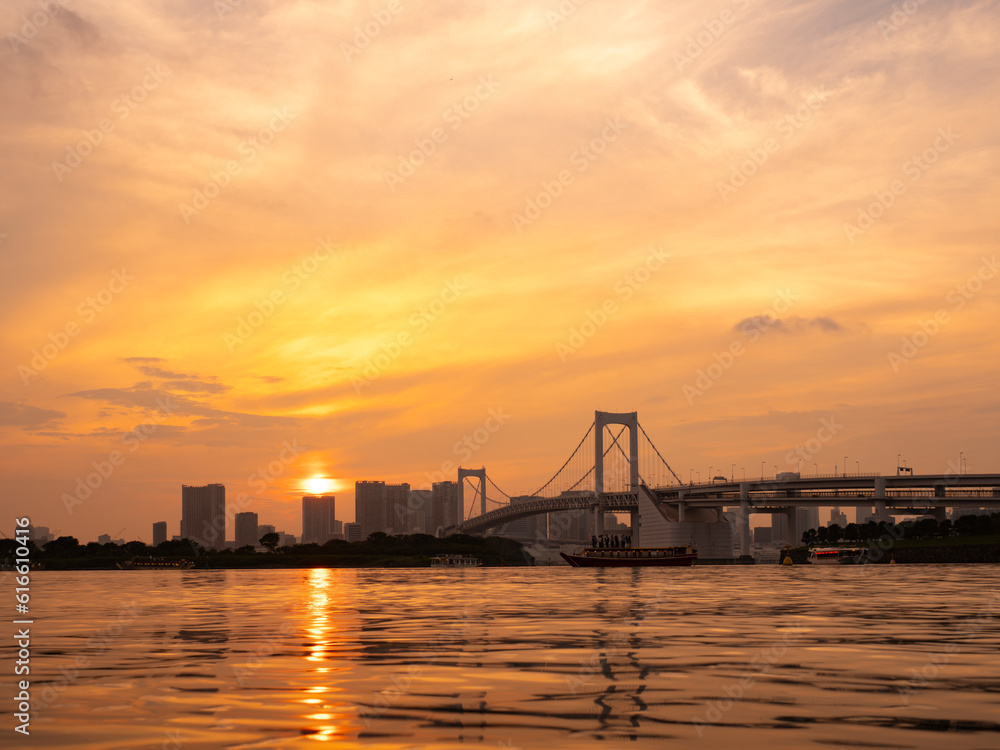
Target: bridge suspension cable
[(537, 492), (488, 479), (658, 454), (614, 443)]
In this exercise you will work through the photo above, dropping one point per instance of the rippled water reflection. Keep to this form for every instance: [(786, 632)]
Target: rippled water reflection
[(747, 657)]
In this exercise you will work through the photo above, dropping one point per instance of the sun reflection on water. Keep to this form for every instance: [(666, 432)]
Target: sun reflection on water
[(332, 720)]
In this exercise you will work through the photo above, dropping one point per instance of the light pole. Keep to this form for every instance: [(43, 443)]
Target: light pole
[(690, 476), (744, 470), (732, 474), (817, 468), (858, 464), (845, 466), (710, 473), (961, 460), (897, 463), (800, 466), (699, 476), (761, 469)]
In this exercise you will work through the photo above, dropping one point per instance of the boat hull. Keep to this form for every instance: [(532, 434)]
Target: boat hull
[(600, 561)]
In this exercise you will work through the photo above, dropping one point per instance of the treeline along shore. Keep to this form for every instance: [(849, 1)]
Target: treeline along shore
[(968, 539), (379, 550)]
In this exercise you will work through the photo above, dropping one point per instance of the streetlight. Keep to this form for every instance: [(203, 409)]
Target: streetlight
[(744, 470), (699, 476), (845, 466), (710, 473), (897, 463), (800, 465), (961, 458), (732, 474), (817, 468), (858, 463), (761, 469), (690, 476)]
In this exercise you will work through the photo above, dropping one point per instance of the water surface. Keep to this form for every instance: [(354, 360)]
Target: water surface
[(734, 657)]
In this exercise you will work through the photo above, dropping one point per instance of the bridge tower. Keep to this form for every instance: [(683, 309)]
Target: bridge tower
[(475, 473), (601, 420), (629, 420)]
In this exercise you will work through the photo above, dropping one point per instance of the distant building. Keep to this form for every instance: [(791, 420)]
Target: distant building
[(353, 532), (370, 506), (39, 535), (445, 510), (318, 519), (246, 530), (762, 535), (806, 518), (779, 528), (955, 513), (530, 528), (397, 511), (104, 539), (203, 515), (837, 517), (575, 525), (286, 540), (266, 528), (159, 533), (419, 512), (338, 529)]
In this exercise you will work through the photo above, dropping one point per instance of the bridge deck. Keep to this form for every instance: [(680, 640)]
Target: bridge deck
[(772, 495)]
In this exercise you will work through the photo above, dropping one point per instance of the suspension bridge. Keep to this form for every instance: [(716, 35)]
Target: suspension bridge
[(606, 474)]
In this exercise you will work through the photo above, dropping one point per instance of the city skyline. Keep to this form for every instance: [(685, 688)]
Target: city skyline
[(743, 221), (406, 506)]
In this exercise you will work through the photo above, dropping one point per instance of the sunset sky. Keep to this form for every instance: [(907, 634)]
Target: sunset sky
[(357, 228)]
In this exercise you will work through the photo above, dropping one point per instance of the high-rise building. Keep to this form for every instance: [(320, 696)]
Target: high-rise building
[(419, 512), (779, 528), (805, 518), (246, 530), (203, 515), (317, 519), (159, 533), (266, 528), (369, 506), (338, 529), (397, 511), (352, 532), (838, 517), (39, 535), (104, 538), (445, 510)]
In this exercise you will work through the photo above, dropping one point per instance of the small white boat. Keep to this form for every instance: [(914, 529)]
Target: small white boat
[(456, 561), (155, 563), (838, 555)]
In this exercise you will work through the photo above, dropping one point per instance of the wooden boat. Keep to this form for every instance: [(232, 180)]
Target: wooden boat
[(640, 557)]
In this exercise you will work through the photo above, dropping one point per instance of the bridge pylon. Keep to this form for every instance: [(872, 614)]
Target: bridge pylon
[(479, 474), (629, 420)]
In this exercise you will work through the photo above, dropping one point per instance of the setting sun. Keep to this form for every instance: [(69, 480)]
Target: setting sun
[(319, 485)]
